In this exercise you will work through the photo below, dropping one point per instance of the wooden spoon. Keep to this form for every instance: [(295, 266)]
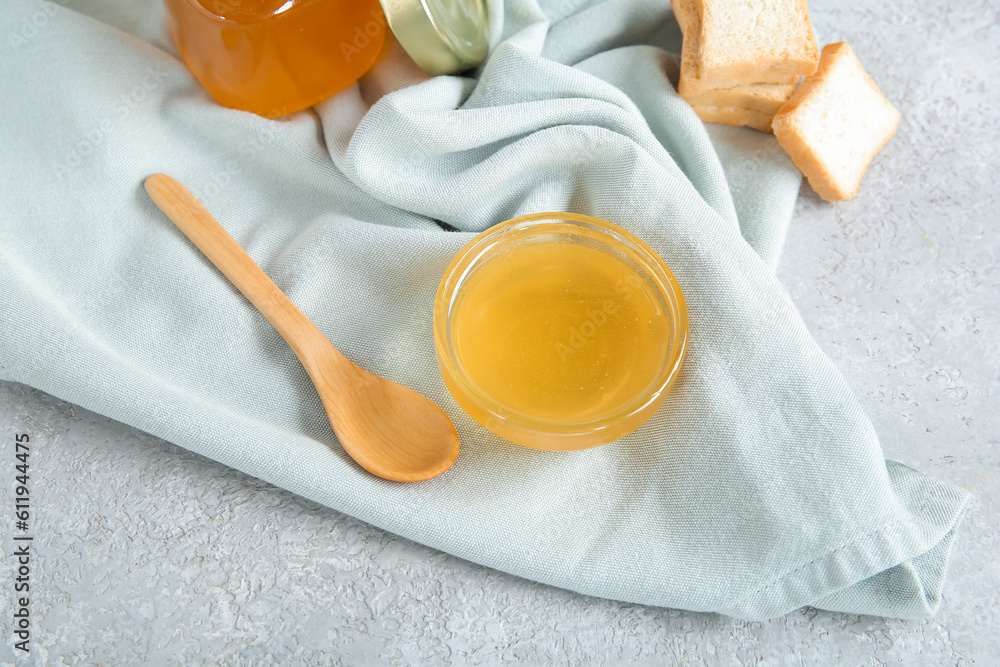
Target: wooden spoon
[(390, 430)]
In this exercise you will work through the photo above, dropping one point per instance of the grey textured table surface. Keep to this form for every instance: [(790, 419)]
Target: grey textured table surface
[(148, 554)]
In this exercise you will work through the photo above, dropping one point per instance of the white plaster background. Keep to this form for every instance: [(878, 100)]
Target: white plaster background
[(149, 554)]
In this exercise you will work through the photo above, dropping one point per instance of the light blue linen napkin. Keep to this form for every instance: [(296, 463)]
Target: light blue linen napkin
[(759, 487)]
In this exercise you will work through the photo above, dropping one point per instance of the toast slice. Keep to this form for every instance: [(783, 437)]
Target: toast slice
[(752, 41), (734, 116), (696, 90), (835, 123)]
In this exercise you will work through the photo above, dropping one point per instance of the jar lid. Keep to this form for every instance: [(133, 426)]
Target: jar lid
[(442, 36)]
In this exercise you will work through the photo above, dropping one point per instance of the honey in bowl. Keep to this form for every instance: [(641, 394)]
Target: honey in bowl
[(559, 331)]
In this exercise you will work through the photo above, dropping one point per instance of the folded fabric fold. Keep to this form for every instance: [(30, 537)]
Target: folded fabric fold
[(759, 487)]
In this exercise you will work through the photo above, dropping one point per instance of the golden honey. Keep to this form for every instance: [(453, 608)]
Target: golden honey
[(275, 57), (559, 332)]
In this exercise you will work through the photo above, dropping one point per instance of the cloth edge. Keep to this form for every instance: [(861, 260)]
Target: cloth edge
[(937, 514)]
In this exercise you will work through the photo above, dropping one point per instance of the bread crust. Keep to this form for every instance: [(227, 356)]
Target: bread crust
[(765, 98), (685, 14), (738, 116), (809, 155), (688, 83)]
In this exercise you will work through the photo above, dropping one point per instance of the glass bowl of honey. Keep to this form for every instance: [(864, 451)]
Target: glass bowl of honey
[(559, 331)]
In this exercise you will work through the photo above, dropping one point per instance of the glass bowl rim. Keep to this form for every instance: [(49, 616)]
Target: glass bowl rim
[(480, 248)]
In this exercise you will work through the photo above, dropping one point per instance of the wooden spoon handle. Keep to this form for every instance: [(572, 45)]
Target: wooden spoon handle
[(187, 213)]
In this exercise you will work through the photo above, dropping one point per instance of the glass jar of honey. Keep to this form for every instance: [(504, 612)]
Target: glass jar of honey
[(559, 331), (276, 57)]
